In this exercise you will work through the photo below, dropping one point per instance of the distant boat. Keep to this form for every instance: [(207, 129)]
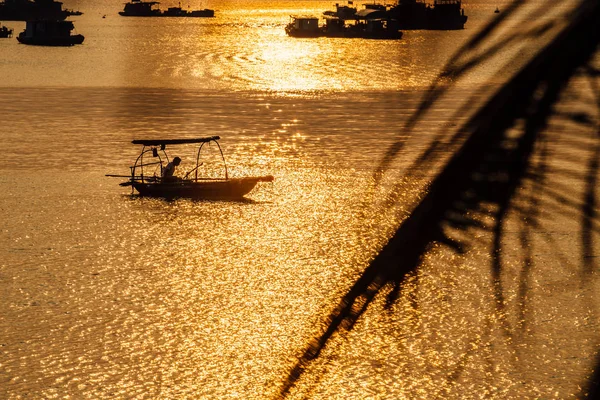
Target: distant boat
[(5, 32), (73, 12), (368, 25), (49, 33), (139, 8), (27, 10), (497, 10)]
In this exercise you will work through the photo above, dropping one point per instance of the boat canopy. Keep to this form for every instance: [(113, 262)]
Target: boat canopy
[(368, 13), (159, 142), (303, 17)]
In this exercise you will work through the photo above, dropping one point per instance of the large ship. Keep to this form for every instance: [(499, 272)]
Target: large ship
[(139, 8), (442, 14), (28, 10)]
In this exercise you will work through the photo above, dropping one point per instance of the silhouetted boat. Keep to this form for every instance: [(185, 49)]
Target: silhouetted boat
[(497, 10), (189, 187), (27, 10), (49, 33), (139, 8), (370, 24), (73, 12), (442, 15), (5, 32)]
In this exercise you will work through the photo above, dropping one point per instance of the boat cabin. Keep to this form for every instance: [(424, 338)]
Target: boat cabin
[(141, 8), (305, 24), (54, 29)]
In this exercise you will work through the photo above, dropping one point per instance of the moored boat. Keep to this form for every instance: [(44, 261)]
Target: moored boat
[(370, 24), (227, 189), (149, 178), (49, 33), (140, 8)]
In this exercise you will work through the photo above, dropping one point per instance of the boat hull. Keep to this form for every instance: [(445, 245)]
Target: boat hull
[(230, 189), (348, 33), (299, 33), (51, 41)]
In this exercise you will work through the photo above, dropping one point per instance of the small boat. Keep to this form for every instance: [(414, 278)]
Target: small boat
[(497, 10), (5, 32), (147, 175), (49, 33), (179, 12), (73, 12), (139, 8)]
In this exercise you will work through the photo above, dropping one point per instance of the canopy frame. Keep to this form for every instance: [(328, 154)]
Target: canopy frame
[(158, 146)]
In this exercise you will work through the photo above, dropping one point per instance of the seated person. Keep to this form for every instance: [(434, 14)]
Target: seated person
[(168, 173)]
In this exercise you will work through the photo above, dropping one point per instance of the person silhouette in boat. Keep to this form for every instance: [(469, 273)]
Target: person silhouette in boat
[(168, 173)]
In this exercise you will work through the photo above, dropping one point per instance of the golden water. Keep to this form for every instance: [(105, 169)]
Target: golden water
[(108, 296)]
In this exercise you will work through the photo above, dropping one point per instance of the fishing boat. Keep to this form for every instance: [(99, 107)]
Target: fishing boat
[(5, 32), (49, 33), (148, 176), (139, 8)]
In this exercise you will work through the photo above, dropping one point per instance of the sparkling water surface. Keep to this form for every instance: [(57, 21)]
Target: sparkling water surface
[(107, 295)]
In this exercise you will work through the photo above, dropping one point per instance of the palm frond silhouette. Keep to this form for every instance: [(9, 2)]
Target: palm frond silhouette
[(503, 161)]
